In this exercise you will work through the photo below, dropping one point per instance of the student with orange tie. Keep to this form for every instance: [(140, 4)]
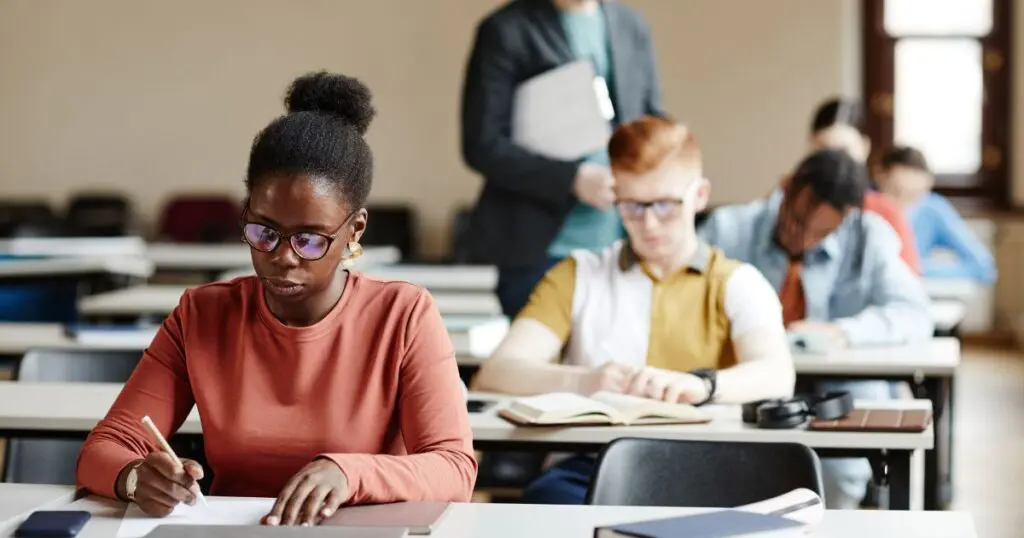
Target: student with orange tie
[(839, 124), (838, 272)]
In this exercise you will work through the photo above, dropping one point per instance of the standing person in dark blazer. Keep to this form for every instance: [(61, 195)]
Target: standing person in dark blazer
[(534, 210)]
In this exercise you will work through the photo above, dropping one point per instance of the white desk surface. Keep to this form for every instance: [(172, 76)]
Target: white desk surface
[(499, 520), (542, 521), (442, 277), (92, 247), (473, 338), (951, 288), (947, 313), (725, 426), (218, 256), (937, 357), (51, 267), (17, 338), (236, 256), (433, 277), (79, 406), (133, 301), (18, 500), (161, 300)]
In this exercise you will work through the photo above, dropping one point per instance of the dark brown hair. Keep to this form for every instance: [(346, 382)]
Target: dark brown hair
[(904, 156)]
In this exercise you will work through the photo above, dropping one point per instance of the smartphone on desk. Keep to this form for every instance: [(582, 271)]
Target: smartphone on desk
[(47, 523), (478, 406)]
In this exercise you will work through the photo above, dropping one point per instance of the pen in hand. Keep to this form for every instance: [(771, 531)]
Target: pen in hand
[(159, 438)]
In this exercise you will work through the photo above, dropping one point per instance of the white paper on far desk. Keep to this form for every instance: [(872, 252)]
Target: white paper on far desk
[(558, 113), (221, 511)]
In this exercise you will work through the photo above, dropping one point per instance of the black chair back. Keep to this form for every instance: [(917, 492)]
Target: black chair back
[(392, 226), (28, 219), (52, 461), (98, 215), (659, 472)]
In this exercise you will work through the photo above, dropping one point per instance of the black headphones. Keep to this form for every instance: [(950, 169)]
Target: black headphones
[(781, 414)]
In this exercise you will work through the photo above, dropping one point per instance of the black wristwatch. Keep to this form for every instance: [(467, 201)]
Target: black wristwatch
[(710, 378)]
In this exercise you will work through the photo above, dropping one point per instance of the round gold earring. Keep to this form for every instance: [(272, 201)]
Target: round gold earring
[(355, 250)]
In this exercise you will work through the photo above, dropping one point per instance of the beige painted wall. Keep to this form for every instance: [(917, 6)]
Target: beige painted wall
[(154, 98)]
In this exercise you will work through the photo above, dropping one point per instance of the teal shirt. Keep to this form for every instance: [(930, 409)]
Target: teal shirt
[(586, 227)]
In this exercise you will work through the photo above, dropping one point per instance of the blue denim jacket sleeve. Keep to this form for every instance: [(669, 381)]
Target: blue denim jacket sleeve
[(897, 309)]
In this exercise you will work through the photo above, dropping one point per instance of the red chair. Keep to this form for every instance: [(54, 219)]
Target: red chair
[(200, 219)]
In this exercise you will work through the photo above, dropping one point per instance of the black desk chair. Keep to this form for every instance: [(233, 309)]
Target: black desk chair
[(392, 225), (28, 219), (98, 215), (658, 472), (52, 461)]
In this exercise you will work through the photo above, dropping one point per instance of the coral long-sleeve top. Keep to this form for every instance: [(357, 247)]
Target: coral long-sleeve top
[(373, 386)]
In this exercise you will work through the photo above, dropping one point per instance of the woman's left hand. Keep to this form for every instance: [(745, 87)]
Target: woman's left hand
[(314, 493)]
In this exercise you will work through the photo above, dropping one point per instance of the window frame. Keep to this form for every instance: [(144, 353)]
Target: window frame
[(991, 186)]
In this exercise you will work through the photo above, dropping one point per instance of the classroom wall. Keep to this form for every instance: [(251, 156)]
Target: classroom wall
[(154, 98)]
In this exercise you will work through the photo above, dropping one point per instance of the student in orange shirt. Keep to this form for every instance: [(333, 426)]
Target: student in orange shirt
[(839, 124), (318, 386)]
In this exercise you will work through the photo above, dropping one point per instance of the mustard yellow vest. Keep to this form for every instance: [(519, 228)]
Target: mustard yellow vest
[(622, 313)]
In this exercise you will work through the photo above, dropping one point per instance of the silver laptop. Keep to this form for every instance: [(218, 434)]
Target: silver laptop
[(260, 531)]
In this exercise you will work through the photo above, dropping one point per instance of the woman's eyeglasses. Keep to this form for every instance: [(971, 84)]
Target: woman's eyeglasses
[(309, 246), (662, 209)]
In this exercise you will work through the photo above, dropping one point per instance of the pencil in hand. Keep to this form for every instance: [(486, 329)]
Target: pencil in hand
[(160, 440)]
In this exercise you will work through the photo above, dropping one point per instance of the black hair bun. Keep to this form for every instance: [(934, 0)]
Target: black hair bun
[(332, 93)]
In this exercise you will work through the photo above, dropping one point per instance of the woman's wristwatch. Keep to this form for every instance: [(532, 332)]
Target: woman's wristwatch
[(131, 481)]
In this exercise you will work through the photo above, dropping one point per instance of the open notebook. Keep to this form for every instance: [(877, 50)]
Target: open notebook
[(611, 408)]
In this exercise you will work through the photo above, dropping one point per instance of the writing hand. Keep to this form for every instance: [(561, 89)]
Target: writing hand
[(162, 484)]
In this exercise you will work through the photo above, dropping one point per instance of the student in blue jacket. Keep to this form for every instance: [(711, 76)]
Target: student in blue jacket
[(904, 176)]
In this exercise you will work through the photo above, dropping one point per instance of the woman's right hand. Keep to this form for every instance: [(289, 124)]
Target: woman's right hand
[(162, 484)]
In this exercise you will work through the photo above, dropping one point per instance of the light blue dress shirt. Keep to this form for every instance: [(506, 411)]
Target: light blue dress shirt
[(854, 278), (938, 225)]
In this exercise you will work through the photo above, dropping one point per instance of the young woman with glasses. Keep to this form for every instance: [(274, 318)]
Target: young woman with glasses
[(660, 315), (315, 385)]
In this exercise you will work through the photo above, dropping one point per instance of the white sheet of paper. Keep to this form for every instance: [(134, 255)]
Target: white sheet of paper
[(221, 511), (558, 113)]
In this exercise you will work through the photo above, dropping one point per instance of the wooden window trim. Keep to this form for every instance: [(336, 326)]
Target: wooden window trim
[(879, 63)]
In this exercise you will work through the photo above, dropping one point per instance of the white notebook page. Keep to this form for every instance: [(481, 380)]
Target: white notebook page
[(221, 511)]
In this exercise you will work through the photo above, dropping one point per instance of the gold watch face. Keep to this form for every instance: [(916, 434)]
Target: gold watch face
[(132, 482)]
